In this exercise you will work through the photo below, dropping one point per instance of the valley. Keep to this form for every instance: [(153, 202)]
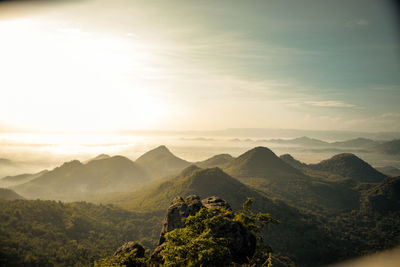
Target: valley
[(321, 206)]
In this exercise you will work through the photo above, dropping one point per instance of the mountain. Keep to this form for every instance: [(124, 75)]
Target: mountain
[(160, 162), (295, 228), (389, 170), (74, 180), (259, 162), (4, 161), (53, 233), (292, 161), (350, 166), (101, 156), (357, 142), (9, 194), (215, 161), (260, 168), (304, 141), (20, 179), (383, 198), (390, 147)]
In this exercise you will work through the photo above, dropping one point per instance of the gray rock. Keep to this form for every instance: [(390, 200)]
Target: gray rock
[(126, 248), (179, 210), (242, 243), (215, 202)]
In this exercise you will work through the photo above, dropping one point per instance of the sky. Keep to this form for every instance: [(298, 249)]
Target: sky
[(98, 65)]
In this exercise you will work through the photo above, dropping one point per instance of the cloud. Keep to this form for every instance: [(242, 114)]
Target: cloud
[(357, 23), (395, 115), (330, 104)]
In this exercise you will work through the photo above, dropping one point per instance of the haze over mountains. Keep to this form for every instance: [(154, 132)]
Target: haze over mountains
[(328, 185), (75, 180), (161, 162), (316, 203)]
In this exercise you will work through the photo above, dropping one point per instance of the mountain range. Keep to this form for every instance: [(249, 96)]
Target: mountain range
[(9, 194), (335, 209), (294, 227), (363, 144), (161, 162), (75, 180)]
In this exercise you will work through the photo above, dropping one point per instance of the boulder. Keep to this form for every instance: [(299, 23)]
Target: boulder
[(179, 210), (215, 202), (120, 255), (243, 242)]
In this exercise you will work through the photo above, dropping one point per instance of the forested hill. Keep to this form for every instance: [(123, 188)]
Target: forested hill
[(50, 233)]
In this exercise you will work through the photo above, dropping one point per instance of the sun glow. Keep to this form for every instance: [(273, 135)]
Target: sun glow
[(58, 77)]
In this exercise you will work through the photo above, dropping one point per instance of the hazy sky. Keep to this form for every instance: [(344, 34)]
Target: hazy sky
[(199, 65)]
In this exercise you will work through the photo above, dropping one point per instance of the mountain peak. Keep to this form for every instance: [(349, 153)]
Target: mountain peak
[(261, 150), (259, 162), (189, 170), (351, 166), (161, 162), (214, 161), (71, 164), (101, 156), (160, 150)]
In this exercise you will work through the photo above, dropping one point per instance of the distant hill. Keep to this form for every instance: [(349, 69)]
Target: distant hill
[(292, 161), (4, 161), (259, 162), (389, 170), (262, 169), (160, 162), (9, 194), (20, 179), (350, 166), (215, 161), (384, 197), (304, 141), (101, 156), (390, 147), (74, 180), (53, 233), (295, 228), (356, 143)]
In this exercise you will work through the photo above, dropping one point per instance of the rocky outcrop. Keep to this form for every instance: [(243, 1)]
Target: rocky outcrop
[(179, 210), (214, 203), (129, 255), (243, 242)]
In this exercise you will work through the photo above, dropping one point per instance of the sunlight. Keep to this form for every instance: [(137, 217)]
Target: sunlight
[(63, 78)]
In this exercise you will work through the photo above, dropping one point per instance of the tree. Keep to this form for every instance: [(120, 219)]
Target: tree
[(200, 243)]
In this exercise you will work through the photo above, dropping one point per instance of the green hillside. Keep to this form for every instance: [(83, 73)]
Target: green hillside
[(295, 227), (160, 162), (74, 180), (293, 162), (259, 162), (9, 194), (49, 233), (215, 161), (350, 166), (260, 168), (383, 198)]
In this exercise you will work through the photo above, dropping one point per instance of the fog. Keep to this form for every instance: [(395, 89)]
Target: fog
[(34, 152)]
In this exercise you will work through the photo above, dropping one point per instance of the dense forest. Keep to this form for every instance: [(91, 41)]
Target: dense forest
[(50, 233), (331, 211)]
